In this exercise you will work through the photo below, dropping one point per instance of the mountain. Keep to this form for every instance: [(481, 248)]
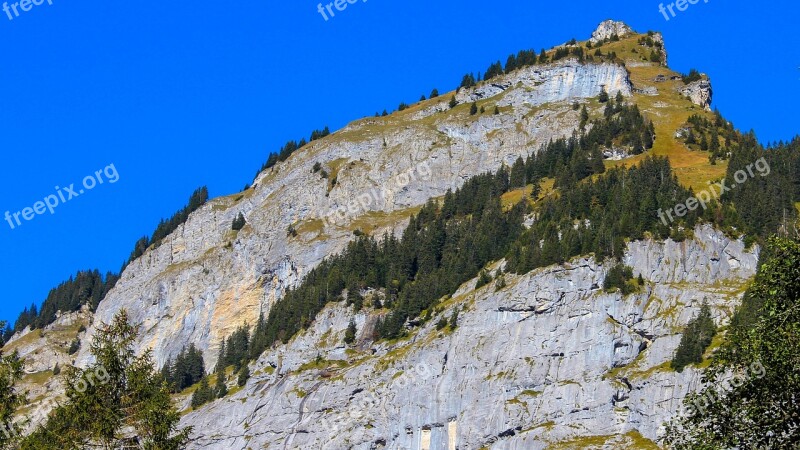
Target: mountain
[(510, 358)]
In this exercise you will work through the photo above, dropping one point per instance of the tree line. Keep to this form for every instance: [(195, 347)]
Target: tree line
[(90, 287), (84, 288), (290, 147), (166, 226)]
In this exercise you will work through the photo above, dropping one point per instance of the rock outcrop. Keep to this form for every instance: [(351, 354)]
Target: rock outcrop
[(610, 28), (699, 92)]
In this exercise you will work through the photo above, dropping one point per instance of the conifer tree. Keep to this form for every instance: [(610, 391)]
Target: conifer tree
[(221, 389), (11, 370), (118, 400), (238, 222), (350, 333), (244, 375), (453, 102)]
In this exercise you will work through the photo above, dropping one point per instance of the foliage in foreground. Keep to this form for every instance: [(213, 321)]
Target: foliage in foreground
[(10, 397), (760, 406), (120, 401)]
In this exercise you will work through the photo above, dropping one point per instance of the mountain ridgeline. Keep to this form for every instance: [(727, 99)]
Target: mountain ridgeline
[(90, 287)]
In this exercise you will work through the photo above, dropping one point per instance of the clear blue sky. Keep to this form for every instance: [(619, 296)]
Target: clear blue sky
[(178, 94)]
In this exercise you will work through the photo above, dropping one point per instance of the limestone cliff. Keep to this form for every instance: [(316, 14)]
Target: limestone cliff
[(550, 358)]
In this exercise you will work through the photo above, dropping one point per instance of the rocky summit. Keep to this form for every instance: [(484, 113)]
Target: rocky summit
[(549, 358)]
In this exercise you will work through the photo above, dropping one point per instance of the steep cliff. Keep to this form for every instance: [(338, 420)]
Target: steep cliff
[(549, 358)]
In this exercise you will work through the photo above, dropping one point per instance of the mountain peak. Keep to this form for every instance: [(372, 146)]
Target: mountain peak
[(608, 28)]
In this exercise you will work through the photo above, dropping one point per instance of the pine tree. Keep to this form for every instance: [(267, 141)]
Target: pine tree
[(350, 334), (221, 389), (690, 138), (11, 371), (517, 178), (434, 93), (473, 109), (129, 402), (584, 117), (202, 395), (468, 81), (244, 375), (239, 222), (695, 340), (542, 57), (454, 320), (453, 102)]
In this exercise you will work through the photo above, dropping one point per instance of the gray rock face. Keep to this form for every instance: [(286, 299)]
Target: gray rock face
[(609, 28), (549, 358), (561, 81), (699, 92)]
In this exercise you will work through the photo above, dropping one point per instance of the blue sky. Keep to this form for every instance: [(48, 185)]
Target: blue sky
[(181, 94)]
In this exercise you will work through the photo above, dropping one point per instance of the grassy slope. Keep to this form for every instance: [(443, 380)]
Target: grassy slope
[(669, 111)]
